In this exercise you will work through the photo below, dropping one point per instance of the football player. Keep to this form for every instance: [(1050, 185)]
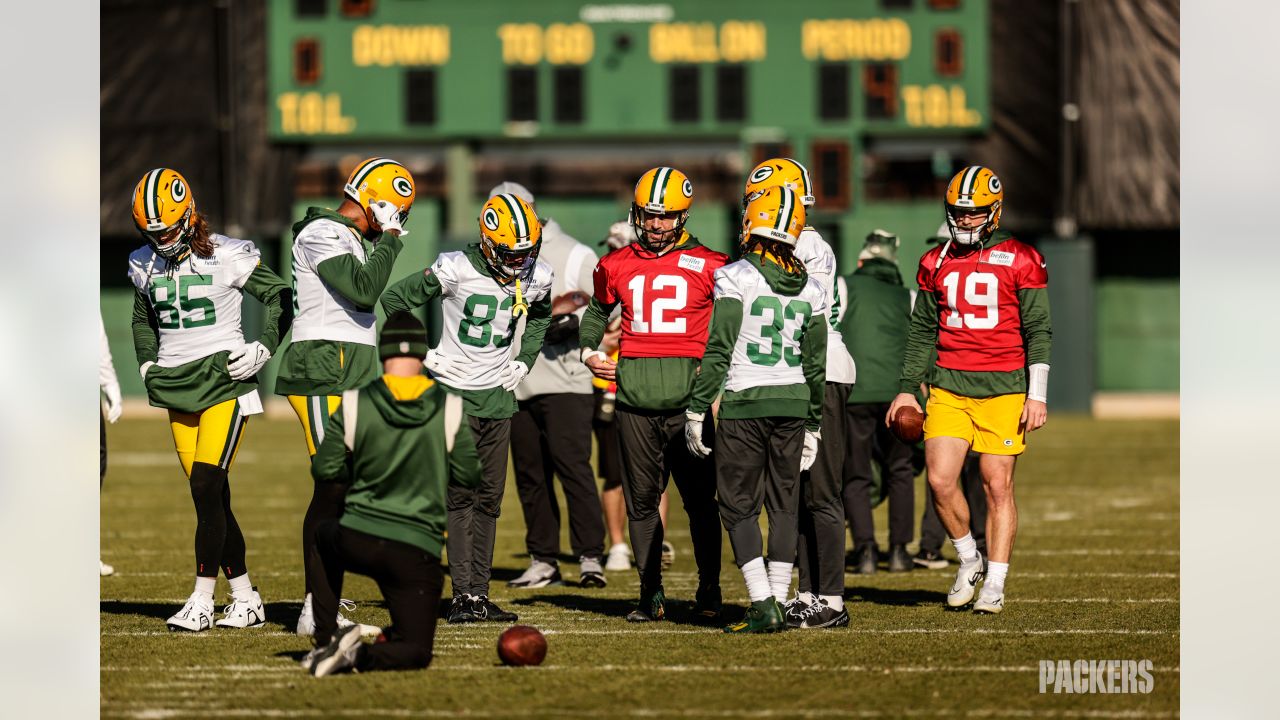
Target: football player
[(337, 278), (664, 283), (768, 348), (819, 601), (195, 363), (484, 289), (984, 304)]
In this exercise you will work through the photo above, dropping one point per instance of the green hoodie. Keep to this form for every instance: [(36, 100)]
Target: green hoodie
[(397, 456), (327, 367), (874, 326), (803, 400)]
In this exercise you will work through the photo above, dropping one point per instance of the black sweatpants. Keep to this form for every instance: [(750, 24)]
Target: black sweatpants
[(820, 545), (759, 464), (410, 580), (932, 534), (473, 511), (608, 447), (871, 441), (551, 435), (653, 448)]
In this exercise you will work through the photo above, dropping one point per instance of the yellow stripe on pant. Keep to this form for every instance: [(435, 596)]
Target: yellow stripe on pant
[(210, 436), (314, 411)]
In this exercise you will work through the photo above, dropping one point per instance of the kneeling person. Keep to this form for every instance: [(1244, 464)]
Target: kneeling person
[(769, 336), (397, 441)]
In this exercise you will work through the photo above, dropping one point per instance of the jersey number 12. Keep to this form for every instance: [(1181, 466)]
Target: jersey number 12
[(654, 319)]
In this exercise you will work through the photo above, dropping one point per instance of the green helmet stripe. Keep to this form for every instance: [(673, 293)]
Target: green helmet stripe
[(151, 194), (522, 226), (970, 178), (657, 194), (804, 177), (369, 167), (785, 211)]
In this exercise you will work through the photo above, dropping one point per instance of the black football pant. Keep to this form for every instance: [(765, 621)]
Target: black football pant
[(653, 448), (820, 545), (551, 435), (410, 580), (759, 465), (608, 447), (871, 441), (932, 534), (473, 511)]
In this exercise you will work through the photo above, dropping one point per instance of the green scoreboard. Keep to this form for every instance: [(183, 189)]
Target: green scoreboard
[(405, 70)]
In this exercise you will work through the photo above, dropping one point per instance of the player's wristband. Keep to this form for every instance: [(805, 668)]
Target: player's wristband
[(587, 353), (1038, 382)]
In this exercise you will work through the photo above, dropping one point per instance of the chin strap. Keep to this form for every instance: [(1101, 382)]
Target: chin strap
[(521, 307)]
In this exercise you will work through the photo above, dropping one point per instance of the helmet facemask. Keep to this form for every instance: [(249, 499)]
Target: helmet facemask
[(667, 237), (174, 242), (506, 263), (970, 236)]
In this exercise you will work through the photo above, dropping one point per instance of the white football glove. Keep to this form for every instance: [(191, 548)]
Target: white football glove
[(388, 217), (114, 403), (514, 374), (810, 451), (440, 364), (693, 434), (245, 362), (142, 370)]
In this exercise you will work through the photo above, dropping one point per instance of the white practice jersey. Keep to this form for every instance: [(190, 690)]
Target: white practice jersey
[(320, 312), (820, 261), (478, 327), (768, 349), (197, 304)]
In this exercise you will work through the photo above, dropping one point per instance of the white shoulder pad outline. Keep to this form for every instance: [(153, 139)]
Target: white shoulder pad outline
[(452, 419), (350, 409)]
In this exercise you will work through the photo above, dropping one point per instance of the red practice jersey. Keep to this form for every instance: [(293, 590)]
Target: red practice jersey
[(979, 316), (666, 300)]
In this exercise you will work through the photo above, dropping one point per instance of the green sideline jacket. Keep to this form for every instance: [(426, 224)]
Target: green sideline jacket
[(875, 324), (399, 442)]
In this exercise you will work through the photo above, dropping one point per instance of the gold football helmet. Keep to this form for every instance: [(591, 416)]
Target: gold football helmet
[(163, 210), (510, 237), (661, 191), (974, 189), (775, 213)]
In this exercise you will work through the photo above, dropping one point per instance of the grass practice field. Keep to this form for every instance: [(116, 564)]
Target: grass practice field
[(1094, 577)]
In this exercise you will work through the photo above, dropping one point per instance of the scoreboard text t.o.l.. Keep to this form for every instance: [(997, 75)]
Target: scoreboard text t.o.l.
[(369, 70)]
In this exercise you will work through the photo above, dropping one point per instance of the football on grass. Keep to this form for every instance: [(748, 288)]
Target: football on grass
[(522, 645), (908, 424)]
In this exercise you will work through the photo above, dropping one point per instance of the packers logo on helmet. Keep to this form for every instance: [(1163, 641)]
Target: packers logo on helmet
[(381, 179), (974, 190), (775, 213), (663, 192), (780, 171), (163, 210), (510, 237)]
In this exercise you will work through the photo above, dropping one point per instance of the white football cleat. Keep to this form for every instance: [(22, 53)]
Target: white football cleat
[(989, 602), (243, 613), (105, 569), (195, 616), (310, 658), (307, 622), (966, 583), (619, 558)]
